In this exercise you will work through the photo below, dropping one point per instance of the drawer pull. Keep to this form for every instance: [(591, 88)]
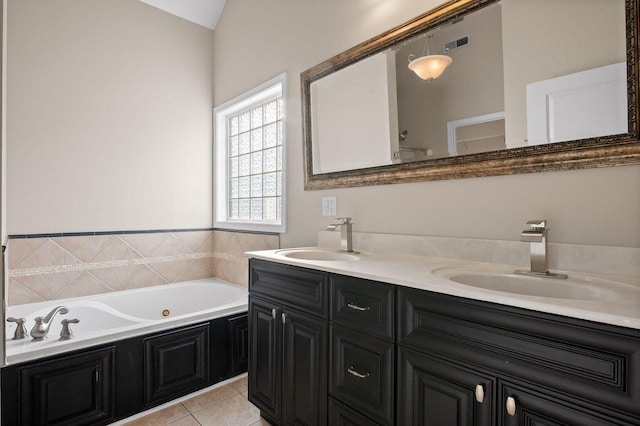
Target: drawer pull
[(353, 372), (511, 406), (480, 393), (357, 308)]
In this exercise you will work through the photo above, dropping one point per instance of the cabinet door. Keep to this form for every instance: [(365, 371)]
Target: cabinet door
[(238, 345), (305, 370), (265, 358), (434, 392), (176, 363), (77, 390), (537, 408)]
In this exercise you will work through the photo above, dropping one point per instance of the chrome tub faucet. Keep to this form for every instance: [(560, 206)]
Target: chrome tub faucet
[(41, 328), (536, 236), (346, 233)]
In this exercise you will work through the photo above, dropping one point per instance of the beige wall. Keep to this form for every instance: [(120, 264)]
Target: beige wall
[(110, 130), (596, 206), (109, 107)]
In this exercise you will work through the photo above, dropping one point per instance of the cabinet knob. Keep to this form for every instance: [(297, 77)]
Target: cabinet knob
[(357, 308), (511, 406), (480, 393), (351, 370), (284, 318), (274, 312)]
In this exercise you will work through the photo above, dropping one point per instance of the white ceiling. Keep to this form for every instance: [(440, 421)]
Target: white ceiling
[(201, 12)]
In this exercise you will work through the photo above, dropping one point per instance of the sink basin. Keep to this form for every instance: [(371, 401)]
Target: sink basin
[(319, 255), (574, 288)]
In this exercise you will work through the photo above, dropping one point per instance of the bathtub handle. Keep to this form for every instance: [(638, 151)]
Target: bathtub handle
[(66, 332), (21, 331)]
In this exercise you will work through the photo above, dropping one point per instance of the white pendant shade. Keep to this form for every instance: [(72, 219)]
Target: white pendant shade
[(431, 66)]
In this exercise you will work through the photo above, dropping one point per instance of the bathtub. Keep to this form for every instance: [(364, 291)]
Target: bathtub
[(113, 316)]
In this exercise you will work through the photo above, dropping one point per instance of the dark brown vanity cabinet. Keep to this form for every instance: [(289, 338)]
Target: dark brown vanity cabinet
[(466, 362), (288, 310), (395, 355)]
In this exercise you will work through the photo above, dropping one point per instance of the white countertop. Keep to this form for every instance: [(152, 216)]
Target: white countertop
[(425, 273)]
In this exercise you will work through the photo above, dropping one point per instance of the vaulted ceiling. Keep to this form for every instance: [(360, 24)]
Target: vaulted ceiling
[(201, 12)]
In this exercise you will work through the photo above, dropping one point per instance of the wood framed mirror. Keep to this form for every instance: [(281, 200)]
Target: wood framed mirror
[(349, 141)]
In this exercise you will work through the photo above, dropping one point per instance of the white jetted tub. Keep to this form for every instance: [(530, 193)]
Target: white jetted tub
[(113, 316)]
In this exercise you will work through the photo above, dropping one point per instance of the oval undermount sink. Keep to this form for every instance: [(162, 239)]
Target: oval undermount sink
[(318, 255), (574, 288)]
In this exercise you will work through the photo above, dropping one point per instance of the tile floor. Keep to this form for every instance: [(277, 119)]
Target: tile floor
[(223, 406)]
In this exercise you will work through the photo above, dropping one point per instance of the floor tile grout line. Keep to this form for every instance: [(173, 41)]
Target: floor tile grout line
[(192, 414), (214, 403)]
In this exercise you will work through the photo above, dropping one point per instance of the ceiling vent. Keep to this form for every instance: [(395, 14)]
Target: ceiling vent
[(456, 44)]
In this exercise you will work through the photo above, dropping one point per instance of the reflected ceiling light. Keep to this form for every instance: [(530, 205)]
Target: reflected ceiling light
[(429, 67)]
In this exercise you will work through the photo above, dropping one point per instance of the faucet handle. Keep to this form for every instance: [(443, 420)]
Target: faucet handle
[(344, 219), (21, 331), (538, 224), (66, 332)]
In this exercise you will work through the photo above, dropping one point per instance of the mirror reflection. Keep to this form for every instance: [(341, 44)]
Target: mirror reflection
[(521, 73)]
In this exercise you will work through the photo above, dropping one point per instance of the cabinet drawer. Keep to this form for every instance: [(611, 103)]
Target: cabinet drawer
[(594, 361), (362, 373), (366, 306), (303, 289), (341, 415)]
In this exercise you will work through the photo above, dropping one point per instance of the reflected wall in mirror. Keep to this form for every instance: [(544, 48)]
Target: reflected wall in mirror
[(532, 86)]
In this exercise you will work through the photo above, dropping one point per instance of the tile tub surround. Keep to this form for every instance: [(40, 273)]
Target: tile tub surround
[(58, 267), (621, 261)]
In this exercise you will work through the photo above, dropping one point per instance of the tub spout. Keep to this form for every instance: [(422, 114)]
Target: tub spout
[(41, 328)]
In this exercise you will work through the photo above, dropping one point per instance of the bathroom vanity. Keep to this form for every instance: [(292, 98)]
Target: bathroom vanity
[(330, 344)]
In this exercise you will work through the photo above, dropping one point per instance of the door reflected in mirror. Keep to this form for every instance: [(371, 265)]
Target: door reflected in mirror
[(522, 74)]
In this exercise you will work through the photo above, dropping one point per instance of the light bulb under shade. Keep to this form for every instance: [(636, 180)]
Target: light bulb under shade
[(431, 66)]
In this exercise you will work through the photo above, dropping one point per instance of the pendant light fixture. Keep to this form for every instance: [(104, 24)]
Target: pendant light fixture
[(429, 67)]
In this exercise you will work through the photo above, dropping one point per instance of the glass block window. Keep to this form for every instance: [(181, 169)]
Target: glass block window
[(249, 145)]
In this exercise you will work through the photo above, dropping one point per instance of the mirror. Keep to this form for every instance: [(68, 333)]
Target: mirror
[(531, 86)]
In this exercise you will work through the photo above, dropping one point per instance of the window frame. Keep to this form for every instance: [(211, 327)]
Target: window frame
[(221, 114)]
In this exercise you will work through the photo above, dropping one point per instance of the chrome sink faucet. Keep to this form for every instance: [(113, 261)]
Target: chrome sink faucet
[(536, 235), (41, 328), (346, 233)]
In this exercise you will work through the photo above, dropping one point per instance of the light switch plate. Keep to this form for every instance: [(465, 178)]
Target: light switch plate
[(329, 206)]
